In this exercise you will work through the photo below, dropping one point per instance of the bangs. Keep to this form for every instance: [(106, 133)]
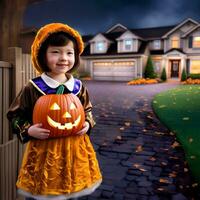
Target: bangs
[(59, 39)]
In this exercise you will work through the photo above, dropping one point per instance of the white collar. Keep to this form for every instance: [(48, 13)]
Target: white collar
[(69, 84)]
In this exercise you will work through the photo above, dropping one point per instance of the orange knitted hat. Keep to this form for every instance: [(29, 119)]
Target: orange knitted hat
[(43, 34)]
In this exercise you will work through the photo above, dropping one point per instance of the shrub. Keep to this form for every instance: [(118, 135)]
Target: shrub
[(194, 76), (183, 75), (149, 70), (142, 81), (163, 76), (84, 74), (191, 81)]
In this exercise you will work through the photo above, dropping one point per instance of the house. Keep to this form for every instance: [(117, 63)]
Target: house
[(121, 53)]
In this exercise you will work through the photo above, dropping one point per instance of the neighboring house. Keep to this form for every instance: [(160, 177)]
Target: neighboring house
[(121, 53)]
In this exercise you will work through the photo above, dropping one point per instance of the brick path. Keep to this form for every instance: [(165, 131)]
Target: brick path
[(138, 156)]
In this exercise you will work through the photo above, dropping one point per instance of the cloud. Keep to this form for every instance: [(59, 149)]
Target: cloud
[(90, 16)]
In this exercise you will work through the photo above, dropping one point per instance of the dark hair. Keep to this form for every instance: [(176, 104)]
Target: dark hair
[(57, 39)]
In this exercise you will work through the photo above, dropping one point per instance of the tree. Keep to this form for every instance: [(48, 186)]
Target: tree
[(11, 14), (183, 75), (149, 69), (163, 76)]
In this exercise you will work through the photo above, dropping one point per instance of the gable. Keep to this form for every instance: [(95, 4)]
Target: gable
[(187, 26), (117, 28), (182, 28), (194, 31), (127, 35), (99, 37), (174, 52)]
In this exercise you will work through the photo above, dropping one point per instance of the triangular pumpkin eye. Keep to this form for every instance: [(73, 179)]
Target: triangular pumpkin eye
[(72, 106), (55, 106), (67, 115)]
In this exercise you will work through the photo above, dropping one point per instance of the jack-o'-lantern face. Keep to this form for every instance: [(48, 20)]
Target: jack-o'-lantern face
[(66, 115), (61, 114)]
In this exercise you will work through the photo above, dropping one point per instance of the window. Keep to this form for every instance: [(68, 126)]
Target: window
[(175, 42), (195, 67), (100, 46), (115, 63), (156, 44), (128, 44), (157, 66), (196, 42)]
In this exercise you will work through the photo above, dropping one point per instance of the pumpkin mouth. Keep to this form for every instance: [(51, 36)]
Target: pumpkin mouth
[(67, 126)]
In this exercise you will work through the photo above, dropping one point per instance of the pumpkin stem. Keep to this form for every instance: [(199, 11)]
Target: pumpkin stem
[(60, 89)]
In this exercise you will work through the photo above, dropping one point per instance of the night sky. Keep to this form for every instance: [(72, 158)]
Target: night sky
[(94, 16)]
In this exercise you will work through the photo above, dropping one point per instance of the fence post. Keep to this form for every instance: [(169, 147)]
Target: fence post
[(15, 58)]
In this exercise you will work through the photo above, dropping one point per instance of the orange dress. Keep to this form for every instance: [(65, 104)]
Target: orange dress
[(58, 168)]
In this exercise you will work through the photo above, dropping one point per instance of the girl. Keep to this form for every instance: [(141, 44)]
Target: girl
[(59, 168)]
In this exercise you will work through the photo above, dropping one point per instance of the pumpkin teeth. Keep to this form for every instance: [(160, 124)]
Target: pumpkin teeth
[(67, 126), (52, 122)]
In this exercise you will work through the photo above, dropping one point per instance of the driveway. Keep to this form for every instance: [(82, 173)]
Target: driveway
[(138, 156)]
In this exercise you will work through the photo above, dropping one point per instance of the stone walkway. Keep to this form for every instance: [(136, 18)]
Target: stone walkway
[(138, 156)]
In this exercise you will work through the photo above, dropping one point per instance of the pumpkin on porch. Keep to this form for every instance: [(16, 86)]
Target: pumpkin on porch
[(62, 114)]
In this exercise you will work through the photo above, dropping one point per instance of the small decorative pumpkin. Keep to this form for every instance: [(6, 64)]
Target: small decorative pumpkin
[(62, 114)]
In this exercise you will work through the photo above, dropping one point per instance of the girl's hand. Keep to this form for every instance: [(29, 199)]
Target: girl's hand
[(38, 132), (84, 130)]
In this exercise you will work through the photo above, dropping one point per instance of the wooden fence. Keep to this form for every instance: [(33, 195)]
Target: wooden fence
[(13, 76)]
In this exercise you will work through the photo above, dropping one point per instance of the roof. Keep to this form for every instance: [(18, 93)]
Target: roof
[(157, 52), (118, 27), (113, 36), (152, 33), (175, 49), (87, 38), (144, 33)]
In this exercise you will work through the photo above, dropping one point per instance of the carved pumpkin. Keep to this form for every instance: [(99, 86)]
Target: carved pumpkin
[(62, 114)]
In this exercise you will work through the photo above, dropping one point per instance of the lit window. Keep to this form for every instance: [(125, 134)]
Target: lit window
[(196, 42), (100, 46), (156, 44), (195, 67), (175, 42), (128, 44), (157, 66)]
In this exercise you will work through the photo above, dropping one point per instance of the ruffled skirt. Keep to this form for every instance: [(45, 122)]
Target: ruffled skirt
[(59, 168)]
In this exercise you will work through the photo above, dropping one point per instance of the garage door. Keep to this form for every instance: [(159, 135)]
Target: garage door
[(117, 70)]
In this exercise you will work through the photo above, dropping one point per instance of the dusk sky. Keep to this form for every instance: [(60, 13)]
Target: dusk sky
[(94, 16)]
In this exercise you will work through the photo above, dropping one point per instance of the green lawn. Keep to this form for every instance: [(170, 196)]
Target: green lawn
[(179, 110)]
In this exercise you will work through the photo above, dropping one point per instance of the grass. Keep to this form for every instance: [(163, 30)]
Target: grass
[(179, 110)]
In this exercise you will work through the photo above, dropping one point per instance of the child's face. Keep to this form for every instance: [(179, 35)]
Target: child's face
[(60, 59)]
